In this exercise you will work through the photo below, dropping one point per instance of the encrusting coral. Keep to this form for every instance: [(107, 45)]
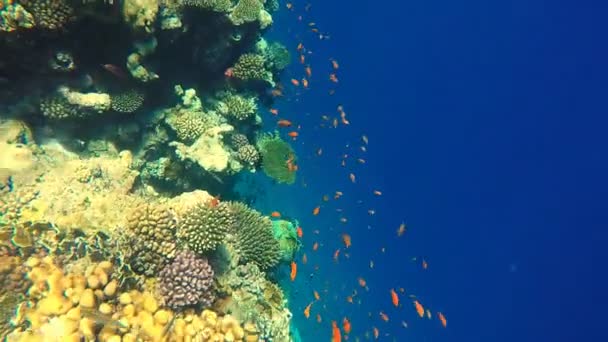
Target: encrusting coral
[(187, 281)]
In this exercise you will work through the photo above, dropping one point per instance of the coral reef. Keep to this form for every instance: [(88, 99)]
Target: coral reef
[(238, 140), (207, 151), (246, 11), (49, 14), (13, 16), (251, 67), (204, 226), (187, 281), (213, 5), (275, 156), (140, 14), (248, 154), (255, 240), (285, 233), (237, 107), (278, 55), (127, 102)]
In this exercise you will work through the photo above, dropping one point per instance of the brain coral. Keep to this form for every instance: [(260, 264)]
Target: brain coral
[(190, 124), (246, 11), (151, 237), (275, 154), (187, 281), (49, 14), (204, 227), (128, 101), (255, 239), (248, 154), (250, 66)]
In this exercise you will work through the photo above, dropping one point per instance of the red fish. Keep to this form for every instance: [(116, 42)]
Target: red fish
[(294, 271), (284, 123), (336, 336), (114, 70)]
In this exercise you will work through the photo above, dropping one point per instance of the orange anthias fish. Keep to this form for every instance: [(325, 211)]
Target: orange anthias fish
[(333, 78), (401, 229), (377, 193), (214, 201), (304, 259), (302, 59), (335, 64), (346, 240), (425, 265), (293, 134), (294, 271), (419, 308), (394, 298), (442, 319), (304, 83), (346, 325), (284, 123), (352, 177), (308, 71), (274, 111), (316, 210), (362, 282), (300, 47), (299, 232), (319, 320), (376, 333), (384, 316), (275, 214), (295, 82), (336, 254), (315, 246), (317, 297), (336, 336), (307, 310)]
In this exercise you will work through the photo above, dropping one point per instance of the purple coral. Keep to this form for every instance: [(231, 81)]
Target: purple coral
[(187, 281)]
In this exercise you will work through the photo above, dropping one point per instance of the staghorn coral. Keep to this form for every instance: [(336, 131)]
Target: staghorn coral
[(203, 227), (251, 66), (49, 14), (150, 231), (246, 11), (187, 281), (238, 107), (248, 154), (128, 101), (255, 240), (275, 154)]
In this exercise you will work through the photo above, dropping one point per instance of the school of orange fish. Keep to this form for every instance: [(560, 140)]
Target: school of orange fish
[(394, 296)]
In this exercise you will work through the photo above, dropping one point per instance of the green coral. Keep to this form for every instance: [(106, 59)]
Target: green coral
[(285, 233), (49, 14), (254, 235), (238, 107), (204, 227), (128, 101), (275, 154), (278, 55), (246, 11), (251, 66)]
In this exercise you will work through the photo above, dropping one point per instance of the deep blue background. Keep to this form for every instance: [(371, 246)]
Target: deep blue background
[(487, 126)]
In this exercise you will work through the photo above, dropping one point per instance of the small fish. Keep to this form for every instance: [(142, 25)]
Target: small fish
[(319, 151), (419, 308), (214, 201), (275, 214), (377, 193), (316, 210), (376, 333), (425, 265), (305, 83), (371, 264), (315, 246), (334, 64), (333, 78), (299, 232), (293, 134), (308, 71), (338, 194), (319, 319), (302, 59), (365, 140), (394, 298), (346, 325), (384, 316), (371, 212), (115, 70), (346, 239), (336, 336), (304, 259), (336, 255), (401, 229), (316, 294), (404, 324), (284, 123), (428, 314), (307, 310), (442, 319), (295, 82), (274, 111), (361, 161), (362, 282), (300, 47), (294, 271), (343, 220), (325, 198), (352, 177)]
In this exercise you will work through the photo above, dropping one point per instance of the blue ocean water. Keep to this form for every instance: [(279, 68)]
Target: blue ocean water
[(487, 136)]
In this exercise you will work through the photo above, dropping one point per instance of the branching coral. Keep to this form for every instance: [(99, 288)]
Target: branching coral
[(238, 140), (187, 281), (204, 227), (251, 67), (238, 107), (128, 101), (246, 11), (255, 240), (189, 125), (276, 156), (248, 154)]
